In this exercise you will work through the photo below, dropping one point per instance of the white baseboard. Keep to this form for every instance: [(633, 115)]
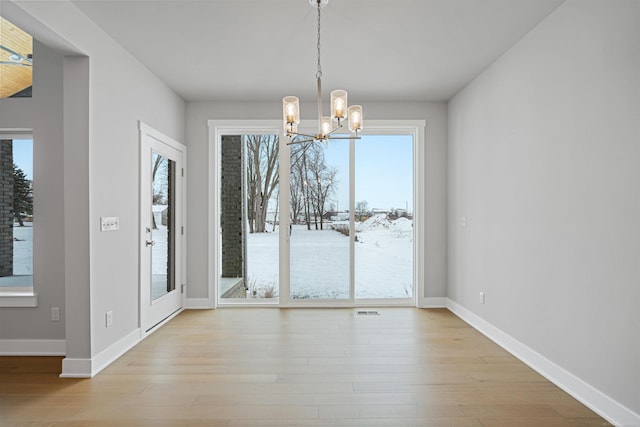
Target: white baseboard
[(198, 303), (88, 368), (32, 347), (76, 368), (434, 302), (114, 351), (594, 399)]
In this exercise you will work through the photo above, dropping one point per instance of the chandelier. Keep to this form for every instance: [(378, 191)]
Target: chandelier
[(339, 108)]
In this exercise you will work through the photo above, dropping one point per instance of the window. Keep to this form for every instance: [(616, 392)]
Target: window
[(16, 61), (16, 221)]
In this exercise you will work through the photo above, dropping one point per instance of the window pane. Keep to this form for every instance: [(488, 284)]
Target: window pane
[(262, 185), (249, 226), (384, 217), (319, 262), (16, 213), (16, 48)]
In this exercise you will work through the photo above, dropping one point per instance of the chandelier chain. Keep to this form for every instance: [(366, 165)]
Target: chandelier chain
[(319, 73)]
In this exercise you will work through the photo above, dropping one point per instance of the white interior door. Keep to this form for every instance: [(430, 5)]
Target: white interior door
[(161, 227)]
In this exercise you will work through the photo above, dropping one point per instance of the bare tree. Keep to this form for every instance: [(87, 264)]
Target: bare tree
[(322, 183), (312, 182), (262, 177), (362, 207), (296, 192), (160, 179), (301, 196)]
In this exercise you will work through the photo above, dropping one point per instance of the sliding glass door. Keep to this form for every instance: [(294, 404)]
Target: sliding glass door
[(313, 223)]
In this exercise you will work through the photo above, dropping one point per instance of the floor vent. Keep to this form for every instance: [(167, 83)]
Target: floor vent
[(367, 313)]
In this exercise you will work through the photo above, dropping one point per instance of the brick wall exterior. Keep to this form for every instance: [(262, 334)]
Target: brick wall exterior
[(6, 207), (237, 291), (232, 206)]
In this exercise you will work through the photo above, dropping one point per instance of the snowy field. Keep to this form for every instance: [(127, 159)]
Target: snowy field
[(320, 261), (22, 257)]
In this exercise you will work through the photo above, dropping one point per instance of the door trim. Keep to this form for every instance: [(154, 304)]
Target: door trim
[(181, 210)]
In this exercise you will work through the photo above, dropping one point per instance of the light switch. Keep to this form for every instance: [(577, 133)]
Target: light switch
[(109, 223)]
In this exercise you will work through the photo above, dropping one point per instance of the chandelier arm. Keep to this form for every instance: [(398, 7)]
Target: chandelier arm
[(334, 130), (300, 142), (306, 135), (345, 137)]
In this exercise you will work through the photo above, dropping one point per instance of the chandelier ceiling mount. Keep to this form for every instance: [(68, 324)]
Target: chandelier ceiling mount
[(339, 107)]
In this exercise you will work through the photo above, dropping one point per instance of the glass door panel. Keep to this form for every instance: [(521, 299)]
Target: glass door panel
[(319, 232), (262, 186), (163, 231), (249, 224), (384, 217)]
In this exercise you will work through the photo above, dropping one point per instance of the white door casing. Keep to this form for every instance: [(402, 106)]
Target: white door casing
[(154, 311)]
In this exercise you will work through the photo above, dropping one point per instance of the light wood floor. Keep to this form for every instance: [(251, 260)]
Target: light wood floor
[(296, 367)]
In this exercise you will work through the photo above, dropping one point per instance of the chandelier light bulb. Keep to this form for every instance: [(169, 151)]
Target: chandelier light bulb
[(291, 110), (339, 104), (325, 126), (355, 118)]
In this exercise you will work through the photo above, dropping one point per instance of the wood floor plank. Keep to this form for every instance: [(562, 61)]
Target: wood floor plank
[(295, 367)]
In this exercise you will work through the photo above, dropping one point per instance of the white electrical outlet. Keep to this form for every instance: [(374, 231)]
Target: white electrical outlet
[(463, 221), (482, 297), (109, 223), (55, 314), (109, 318)]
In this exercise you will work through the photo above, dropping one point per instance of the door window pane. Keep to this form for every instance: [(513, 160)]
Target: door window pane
[(163, 224), (384, 217)]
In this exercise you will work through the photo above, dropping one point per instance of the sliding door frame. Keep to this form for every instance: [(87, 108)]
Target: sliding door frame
[(218, 128)]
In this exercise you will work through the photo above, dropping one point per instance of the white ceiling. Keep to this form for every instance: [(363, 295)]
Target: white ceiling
[(259, 50)]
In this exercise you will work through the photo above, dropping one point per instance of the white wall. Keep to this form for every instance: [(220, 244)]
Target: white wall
[(121, 92), (197, 140), (42, 114), (544, 151)]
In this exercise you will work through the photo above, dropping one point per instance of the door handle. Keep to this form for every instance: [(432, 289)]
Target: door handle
[(150, 242)]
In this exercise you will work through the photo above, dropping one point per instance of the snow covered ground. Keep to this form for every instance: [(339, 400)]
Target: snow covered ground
[(22, 257), (320, 261), (23, 249)]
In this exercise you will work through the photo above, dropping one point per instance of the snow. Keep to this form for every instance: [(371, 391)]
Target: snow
[(23, 249), (320, 260), (22, 257), (159, 257)]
